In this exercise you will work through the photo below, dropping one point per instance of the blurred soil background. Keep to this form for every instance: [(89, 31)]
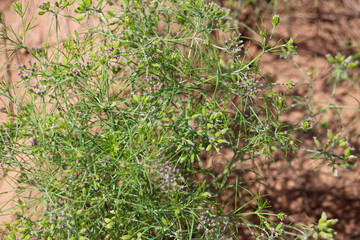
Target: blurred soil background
[(35, 37), (296, 187)]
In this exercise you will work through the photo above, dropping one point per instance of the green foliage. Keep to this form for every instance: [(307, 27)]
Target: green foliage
[(322, 228), (342, 65), (327, 152), (128, 164)]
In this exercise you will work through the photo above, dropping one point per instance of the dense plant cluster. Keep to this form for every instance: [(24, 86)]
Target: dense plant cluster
[(129, 164)]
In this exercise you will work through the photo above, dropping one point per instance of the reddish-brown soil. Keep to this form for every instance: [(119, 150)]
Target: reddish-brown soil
[(322, 27)]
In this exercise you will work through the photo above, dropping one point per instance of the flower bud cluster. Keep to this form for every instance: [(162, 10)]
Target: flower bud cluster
[(77, 68), (207, 224), (155, 83), (287, 52), (340, 60), (215, 10), (308, 123), (270, 230), (234, 46), (290, 85), (37, 50), (170, 178), (40, 86), (275, 20), (25, 72), (58, 215), (114, 52), (44, 5), (250, 85), (33, 134)]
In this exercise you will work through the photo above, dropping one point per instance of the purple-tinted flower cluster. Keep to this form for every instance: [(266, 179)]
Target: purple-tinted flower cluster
[(34, 135), (57, 215), (207, 224), (290, 85), (77, 68), (234, 46), (308, 123), (215, 9), (44, 5), (40, 86), (115, 54), (155, 83), (34, 88), (250, 85), (26, 72), (32, 131), (15, 216), (170, 178), (36, 49)]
